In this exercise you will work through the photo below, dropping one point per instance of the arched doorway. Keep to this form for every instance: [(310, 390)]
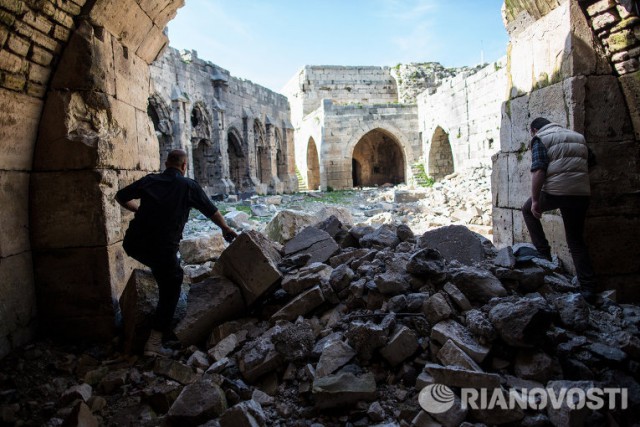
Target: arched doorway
[(202, 150), (377, 159), (313, 166), (160, 115), (201, 161), (281, 156), (237, 160), (440, 155)]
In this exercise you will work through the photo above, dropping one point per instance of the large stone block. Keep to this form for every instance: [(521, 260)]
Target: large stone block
[(251, 262), (152, 45), (503, 225), (73, 209), (77, 288), (18, 129), (132, 77), (287, 224), (631, 90), (202, 248), (87, 62), (17, 293), (124, 19), (603, 94), (209, 303), (138, 304), (14, 215), (456, 242), (519, 165), (316, 243), (148, 158)]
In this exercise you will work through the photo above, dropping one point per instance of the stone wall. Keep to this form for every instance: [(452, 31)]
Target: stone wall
[(94, 137), (575, 85), (242, 130), (460, 119), (32, 36)]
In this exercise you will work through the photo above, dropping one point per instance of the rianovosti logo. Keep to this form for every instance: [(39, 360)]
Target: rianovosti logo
[(438, 398)]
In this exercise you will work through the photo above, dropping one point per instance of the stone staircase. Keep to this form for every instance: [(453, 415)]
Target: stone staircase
[(419, 175), (302, 185)]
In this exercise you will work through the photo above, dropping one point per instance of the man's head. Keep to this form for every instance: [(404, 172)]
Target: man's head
[(538, 124), (177, 159)]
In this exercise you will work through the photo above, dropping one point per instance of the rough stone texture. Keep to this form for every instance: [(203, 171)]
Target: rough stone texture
[(244, 414), (218, 105), (334, 356), (209, 303), (251, 263), (456, 376), (402, 344), (476, 284), (197, 403), (456, 242), (198, 250), (452, 330), (138, 304), (520, 322), (306, 278), (314, 242), (343, 389), (301, 305)]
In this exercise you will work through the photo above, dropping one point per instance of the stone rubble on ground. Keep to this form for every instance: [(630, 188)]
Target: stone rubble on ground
[(345, 326)]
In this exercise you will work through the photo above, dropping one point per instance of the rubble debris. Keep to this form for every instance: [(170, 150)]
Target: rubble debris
[(351, 339)]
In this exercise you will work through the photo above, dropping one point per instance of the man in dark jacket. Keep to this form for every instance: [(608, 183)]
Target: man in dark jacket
[(155, 232), (560, 180)]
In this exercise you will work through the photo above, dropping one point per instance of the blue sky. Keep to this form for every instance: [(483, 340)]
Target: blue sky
[(267, 41)]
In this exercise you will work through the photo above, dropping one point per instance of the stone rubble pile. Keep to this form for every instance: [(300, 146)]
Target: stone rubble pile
[(346, 326)]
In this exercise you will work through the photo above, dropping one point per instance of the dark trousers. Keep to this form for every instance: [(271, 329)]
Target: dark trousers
[(165, 266), (574, 212)]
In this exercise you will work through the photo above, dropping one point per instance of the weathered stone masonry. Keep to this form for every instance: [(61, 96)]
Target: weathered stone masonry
[(238, 134), (565, 65)]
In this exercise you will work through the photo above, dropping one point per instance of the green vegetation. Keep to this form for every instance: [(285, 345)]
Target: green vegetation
[(420, 176), (331, 196)]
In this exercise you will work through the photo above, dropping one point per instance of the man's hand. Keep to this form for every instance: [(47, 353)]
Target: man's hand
[(228, 234), (535, 209)]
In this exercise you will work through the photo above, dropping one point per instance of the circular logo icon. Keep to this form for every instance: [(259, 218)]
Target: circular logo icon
[(436, 398)]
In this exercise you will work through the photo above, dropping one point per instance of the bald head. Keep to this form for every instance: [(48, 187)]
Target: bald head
[(177, 159)]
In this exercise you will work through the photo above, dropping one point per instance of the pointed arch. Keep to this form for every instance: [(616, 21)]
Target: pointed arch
[(238, 160), (313, 165), (160, 115), (378, 159), (441, 161)]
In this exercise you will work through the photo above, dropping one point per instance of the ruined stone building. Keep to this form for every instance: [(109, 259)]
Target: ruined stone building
[(238, 134), (81, 117)]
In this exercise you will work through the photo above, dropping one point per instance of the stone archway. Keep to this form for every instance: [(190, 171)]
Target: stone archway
[(313, 166), (281, 156), (160, 116), (440, 155), (377, 159), (263, 159), (237, 160), (202, 161)]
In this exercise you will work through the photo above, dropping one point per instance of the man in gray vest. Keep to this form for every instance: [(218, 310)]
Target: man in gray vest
[(560, 180)]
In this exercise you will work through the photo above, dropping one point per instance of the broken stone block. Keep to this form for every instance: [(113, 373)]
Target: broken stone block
[(251, 262), (408, 196), (437, 308), (343, 389), (334, 355), (81, 391), (348, 255), (198, 403), (112, 381), (199, 360), (341, 277), (452, 330), (536, 366), (608, 353), (564, 415), (175, 371), (333, 227), (306, 278), (236, 219), (505, 258), (314, 242), (259, 357), (138, 304), (286, 224), (209, 302), (224, 347), (300, 305), (200, 249), (457, 297), (428, 263), (521, 322), (451, 355), (476, 284), (479, 325), (455, 376), (391, 283), (384, 236), (245, 414), (376, 413), (404, 233), (365, 338), (573, 311), (402, 344), (457, 242)]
